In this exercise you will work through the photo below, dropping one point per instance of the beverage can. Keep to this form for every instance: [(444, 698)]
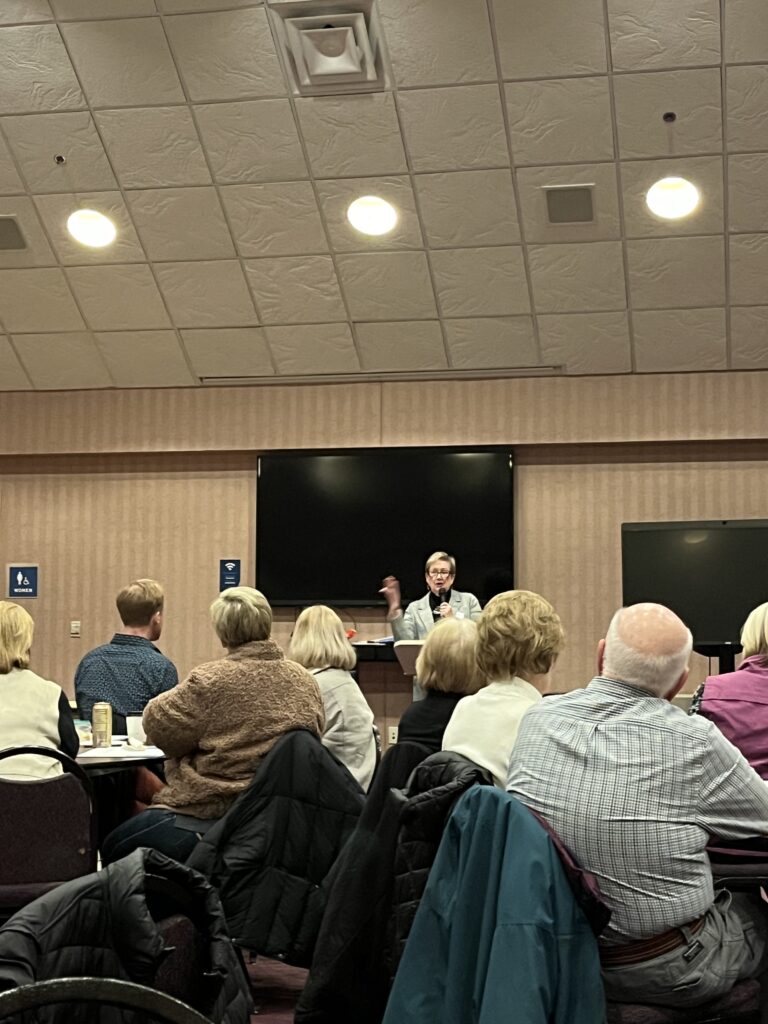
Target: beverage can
[(101, 723)]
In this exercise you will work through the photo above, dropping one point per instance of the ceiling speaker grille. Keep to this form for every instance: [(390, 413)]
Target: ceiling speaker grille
[(570, 204), (10, 234)]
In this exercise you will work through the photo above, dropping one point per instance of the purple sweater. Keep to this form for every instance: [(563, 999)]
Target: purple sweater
[(737, 703)]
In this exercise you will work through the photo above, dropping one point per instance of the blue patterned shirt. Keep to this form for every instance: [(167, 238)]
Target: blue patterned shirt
[(126, 673)]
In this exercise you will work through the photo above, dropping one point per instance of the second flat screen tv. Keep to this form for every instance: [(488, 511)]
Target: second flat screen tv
[(330, 526)]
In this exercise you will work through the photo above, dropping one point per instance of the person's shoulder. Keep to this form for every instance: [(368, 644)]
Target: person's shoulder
[(95, 653), (44, 687)]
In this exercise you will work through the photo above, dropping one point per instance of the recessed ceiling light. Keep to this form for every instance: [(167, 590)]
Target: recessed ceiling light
[(372, 215), (672, 198), (91, 228)]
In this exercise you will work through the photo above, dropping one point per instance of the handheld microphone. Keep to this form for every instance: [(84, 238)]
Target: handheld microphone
[(441, 597)]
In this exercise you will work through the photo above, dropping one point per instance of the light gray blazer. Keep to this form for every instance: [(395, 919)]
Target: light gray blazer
[(418, 618)]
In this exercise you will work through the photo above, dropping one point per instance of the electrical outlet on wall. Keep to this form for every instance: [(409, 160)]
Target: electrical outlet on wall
[(392, 734)]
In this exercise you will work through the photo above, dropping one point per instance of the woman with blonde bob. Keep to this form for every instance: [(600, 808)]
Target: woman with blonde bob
[(519, 637), (216, 726), (447, 670), (737, 702), (33, 711), (320, 644)]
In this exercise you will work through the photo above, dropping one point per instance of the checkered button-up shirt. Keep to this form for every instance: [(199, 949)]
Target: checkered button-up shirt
[(635, 788)]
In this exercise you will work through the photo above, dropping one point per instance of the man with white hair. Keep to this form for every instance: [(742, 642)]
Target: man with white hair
[(635, 789)]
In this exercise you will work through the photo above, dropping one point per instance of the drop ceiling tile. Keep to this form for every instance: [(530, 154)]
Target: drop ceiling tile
[(212, 294), (438, 42), (228, 352), (181, 224), (748, 199), (454, 129), (76, 9), (569, 40), (37, 300), (335, 197), (532, 181), (15, 11), (387, 285), (318, 348), (35, 71), (407, 345), (154, 146), (61, 362), (643, 99), (10, 182), (55, 210), (118, 298), (477, 282), (296, 290), (468, 208), (36, 138), (38, 252), (491, 342), (679, 339), (351, 135), (181, 6), (705, 172), (564, 120), (253, 140), (577, 277), (145, 359), (275, 220), (657, 34), (749, 338), (749, 269), (746, 32), (746, 103), (669, 273), (586, 343), (123, 63), (12, 374), (226, 55)]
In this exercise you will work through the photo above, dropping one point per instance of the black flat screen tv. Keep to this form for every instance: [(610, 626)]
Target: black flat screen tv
[(712, 574), (331, 525)]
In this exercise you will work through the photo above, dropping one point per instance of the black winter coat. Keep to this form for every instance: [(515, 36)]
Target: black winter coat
[(104, 925), (272, 850)]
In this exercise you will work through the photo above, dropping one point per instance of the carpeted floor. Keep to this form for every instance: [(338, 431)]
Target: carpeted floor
[(276, 988)]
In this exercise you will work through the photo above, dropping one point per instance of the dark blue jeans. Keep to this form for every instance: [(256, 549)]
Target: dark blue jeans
[(153, 828)]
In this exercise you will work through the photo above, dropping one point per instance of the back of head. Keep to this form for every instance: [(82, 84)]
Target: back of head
[(519, 634), (754, 632), (319, 640), (139, 602), (448, 659), (648, 646), (241, 615), (16, 630)]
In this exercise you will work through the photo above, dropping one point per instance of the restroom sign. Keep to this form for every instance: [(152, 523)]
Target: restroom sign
[(22, 581)]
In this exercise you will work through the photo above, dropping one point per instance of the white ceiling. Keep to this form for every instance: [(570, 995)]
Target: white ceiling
[(234, 258)]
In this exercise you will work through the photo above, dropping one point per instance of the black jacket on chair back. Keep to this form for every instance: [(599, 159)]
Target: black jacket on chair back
[(270, 853)]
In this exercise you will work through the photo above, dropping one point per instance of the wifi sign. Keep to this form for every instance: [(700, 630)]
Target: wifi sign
[(229, 573)]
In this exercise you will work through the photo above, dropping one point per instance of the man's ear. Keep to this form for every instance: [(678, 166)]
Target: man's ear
[(600, 656), (678, 685)]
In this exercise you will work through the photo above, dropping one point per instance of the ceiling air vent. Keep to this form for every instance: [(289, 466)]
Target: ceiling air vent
[(569, 204), (330, 49), (10, 234)]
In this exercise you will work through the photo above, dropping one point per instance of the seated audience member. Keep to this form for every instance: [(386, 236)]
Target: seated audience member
[(33, 711), (448, 671), (320, 644), (635, 788), (519, 637), (128, 671), (216, 725), (737, 702)]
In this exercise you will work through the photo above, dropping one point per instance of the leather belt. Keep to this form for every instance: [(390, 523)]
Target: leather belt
[(648, 949)]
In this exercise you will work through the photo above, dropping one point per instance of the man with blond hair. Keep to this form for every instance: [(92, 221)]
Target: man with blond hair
[(636, 789), (128, 671)]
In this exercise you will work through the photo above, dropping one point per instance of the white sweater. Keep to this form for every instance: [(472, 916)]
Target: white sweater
[(484, 727), (348, 723), (33, 712)]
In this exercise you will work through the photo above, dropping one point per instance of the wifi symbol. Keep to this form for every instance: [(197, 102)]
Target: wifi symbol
[(229, 566)]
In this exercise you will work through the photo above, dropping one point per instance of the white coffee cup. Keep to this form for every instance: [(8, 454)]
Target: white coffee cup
[(135, 728)]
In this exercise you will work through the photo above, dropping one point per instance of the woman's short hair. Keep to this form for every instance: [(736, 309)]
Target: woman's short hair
[(139, 601), (441, 556), (16, 629), (319, 640), (518, 634), (754, 632), (240, 615), (447, 661)]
